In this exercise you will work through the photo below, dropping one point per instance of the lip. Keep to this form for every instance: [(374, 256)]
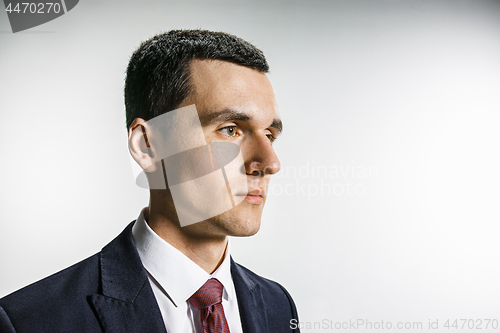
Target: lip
[(254, 199), (254, 196)]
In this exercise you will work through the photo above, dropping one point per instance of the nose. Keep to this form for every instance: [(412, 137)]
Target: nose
[(261, 159)]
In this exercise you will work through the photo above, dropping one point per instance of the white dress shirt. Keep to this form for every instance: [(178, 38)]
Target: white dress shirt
[(174, 278)]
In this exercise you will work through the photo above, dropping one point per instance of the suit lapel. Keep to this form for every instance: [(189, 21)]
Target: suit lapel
[(127, 303), (250, 303)]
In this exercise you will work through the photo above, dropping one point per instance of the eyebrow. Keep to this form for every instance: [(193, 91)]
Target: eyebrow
[(228, 115)]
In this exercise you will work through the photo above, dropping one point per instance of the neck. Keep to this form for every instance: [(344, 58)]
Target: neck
[(207, 251)]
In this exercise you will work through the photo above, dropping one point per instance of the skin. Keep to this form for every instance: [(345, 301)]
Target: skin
[(244, 101)]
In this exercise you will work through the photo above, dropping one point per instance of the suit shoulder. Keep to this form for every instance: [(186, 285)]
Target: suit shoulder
[(78, 278), (269, 287), (41, 306)]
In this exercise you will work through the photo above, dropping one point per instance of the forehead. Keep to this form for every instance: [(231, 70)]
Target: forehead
[(221, 85)]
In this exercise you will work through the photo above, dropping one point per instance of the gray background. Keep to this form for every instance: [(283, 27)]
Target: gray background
[(386, 207)]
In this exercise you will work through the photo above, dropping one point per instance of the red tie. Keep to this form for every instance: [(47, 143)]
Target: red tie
[(208, 300)]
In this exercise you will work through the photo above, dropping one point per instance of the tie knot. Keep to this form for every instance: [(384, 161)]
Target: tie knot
[(209, 294)]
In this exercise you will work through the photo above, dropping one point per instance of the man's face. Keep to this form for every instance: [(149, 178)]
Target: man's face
[(237, 104)]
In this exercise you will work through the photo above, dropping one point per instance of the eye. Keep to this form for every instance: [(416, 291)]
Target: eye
[(271, 137), (229, 131)]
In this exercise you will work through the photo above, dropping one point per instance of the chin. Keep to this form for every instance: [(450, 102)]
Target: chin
[(241, 221)]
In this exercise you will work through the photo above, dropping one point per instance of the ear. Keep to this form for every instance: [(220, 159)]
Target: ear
[(138, 145)]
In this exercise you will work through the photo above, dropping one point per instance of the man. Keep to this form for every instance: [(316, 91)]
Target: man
[(163, 274)]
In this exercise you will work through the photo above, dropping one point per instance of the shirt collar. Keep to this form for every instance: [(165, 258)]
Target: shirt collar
[(178, 276)]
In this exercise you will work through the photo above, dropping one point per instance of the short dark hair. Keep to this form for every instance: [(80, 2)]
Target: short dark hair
[(158, 77)]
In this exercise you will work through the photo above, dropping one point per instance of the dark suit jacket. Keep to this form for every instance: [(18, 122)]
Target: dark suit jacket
[(110, 292)]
